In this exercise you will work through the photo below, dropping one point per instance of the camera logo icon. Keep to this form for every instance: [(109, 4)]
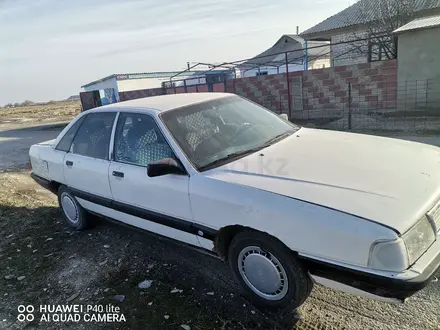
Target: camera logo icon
[(25, 313)]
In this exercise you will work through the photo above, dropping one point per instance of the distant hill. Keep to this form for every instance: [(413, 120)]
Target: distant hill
[(28, 103), (73, 98)]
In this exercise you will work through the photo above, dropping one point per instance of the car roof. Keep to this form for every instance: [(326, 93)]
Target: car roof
[(164, 102)]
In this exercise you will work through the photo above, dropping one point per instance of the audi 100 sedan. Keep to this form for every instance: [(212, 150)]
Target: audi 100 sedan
[(284, 206)]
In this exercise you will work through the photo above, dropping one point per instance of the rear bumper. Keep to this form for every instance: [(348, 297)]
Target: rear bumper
[(45, 183), (390, 288)]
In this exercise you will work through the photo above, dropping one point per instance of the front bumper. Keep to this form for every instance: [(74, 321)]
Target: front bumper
[(397, 286)]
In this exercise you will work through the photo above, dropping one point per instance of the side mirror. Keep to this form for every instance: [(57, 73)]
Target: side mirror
[(163, 167), (284, 116)]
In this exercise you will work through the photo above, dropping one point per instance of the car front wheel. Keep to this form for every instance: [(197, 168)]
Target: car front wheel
[(76, 217), (269, 273)]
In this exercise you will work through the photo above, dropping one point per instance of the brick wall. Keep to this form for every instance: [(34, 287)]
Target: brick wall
[(218, 87), (317, 93), (373, 87), (324, 92), (270, 91), (137, 94)]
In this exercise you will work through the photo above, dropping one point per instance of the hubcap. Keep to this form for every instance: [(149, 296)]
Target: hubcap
[(69, 208), (263, 273)]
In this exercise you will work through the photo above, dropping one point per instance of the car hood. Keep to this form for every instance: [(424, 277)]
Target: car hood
[(389, 181)]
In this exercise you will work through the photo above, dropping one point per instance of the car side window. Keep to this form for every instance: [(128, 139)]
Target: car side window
[(66, 140), (139, 141), (93, 137)]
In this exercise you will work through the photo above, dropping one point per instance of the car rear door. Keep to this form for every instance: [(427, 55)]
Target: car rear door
[(87, 162), (158, 204)]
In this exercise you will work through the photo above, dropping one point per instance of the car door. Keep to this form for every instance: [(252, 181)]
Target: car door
[(159, 204), (87, 162)]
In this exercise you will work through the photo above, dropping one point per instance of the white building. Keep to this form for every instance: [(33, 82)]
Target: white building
[(110, 86), (351, 31), (301, 55), (117, 83)]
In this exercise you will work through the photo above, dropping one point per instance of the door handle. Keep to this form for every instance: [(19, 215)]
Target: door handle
[(118, 174), (69, 163)]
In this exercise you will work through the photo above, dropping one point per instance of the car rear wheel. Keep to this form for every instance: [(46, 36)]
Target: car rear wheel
[(76, 217), (268, 272)]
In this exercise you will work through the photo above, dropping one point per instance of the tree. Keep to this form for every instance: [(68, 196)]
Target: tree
[(375, 21), (27, 103), (380, 24)]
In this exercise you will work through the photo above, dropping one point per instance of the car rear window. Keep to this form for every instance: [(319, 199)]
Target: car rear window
[(93, 137)]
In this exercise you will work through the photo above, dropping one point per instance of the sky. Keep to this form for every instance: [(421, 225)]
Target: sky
[(49, 48)]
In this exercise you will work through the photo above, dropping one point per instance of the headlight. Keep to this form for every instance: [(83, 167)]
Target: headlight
[(418, 239), (388, 256)]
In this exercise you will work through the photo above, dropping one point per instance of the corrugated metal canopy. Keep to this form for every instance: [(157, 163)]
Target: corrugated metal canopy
[(363, 11), (420, 23), (144, 75), (275, 56)]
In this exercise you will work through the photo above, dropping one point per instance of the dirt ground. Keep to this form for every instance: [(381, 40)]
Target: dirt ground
[(38, 114), (61, 266)]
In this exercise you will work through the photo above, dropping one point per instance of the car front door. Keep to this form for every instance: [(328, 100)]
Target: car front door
[(87, 162), (159, 204)]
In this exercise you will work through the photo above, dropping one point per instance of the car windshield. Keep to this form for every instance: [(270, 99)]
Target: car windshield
[(216, 132)]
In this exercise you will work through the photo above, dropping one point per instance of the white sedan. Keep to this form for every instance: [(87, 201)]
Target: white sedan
[(285, 206)]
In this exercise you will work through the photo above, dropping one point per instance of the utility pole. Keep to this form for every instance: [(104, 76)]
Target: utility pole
[(289, 93)]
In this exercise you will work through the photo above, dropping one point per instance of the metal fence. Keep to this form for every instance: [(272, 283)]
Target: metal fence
[(388, 106), (404, 106)]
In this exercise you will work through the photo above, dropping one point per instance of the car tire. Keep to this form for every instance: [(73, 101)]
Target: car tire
[(74, 214), (269, 273)]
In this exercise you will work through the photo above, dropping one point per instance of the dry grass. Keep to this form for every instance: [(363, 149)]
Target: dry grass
[(54, 112), (19, 190)]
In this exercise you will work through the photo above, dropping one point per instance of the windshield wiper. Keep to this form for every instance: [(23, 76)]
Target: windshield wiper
[(229, 157), (277, 138), (264, 145), (245, 152)]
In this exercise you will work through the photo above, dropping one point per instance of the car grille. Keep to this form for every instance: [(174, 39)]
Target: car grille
[(434, 216)]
